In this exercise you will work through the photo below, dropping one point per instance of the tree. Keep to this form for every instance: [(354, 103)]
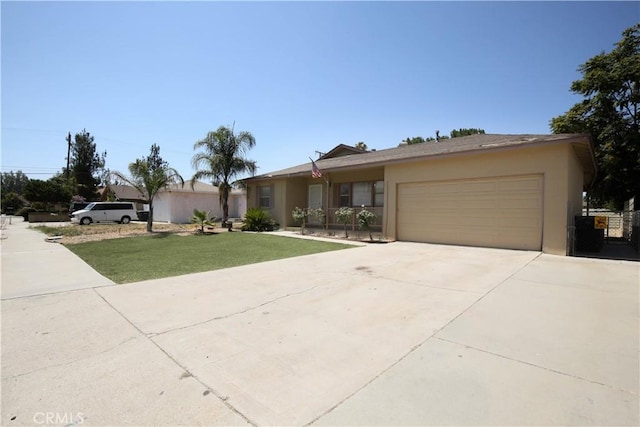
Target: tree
[(610, 85), (366, 219), (344, 216), (50, 191), (202, 218), (149, 175), (417, 140), (86, 165), (13, 182), (454, 134), (361, 146), (11, 200), (465, 132), (221, 160)]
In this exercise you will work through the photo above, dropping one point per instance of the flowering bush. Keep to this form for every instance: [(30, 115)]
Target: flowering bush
[(344, 216), (299, 216), (317, 214), (365, 220)]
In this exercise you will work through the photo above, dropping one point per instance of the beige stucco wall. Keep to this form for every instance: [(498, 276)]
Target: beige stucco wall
[(557, 163)]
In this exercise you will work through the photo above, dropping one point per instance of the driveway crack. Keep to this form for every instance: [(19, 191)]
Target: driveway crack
[(227, 316), (71, 362), (186, 372), (524, 362)]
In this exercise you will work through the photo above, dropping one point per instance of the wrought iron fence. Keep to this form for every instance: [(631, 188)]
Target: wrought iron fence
[(619, 224)]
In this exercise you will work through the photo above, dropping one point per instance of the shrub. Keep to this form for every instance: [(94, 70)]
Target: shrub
[(257, 219), (365, 220), (24, 212), (317, 214), (202, 218), (11, 200), (344, 216), (299, 216)]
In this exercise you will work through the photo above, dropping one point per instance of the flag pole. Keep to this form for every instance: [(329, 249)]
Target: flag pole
[(315, 168)]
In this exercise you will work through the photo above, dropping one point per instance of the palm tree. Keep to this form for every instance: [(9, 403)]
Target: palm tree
[(150, 175), (361, 146), (202, 218), (221, 160)]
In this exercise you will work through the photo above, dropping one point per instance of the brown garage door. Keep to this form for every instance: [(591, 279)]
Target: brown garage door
[(501, 212)]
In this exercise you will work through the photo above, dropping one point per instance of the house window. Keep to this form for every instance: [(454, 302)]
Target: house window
[(345, 195), (378, 197), (265, 196), (362, 193)]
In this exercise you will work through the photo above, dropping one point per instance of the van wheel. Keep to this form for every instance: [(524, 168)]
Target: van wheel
[(125, 220), (85, 221)]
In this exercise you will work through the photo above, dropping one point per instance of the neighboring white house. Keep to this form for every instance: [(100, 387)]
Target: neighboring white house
[(176, 203)]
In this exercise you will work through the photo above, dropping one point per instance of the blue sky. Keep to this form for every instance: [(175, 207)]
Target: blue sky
[(301, 76)]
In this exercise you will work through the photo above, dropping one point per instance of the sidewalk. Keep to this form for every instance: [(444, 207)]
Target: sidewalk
[(59, 270)]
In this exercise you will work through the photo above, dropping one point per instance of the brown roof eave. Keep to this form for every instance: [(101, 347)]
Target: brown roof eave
[(573, 139)]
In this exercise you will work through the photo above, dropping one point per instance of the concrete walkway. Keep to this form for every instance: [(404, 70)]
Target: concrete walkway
[(33, 266), (389, 334)]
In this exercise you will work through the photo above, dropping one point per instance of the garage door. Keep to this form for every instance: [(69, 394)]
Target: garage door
[(501, 212)]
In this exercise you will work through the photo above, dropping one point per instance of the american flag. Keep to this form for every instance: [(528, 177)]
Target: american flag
[(315, 172)]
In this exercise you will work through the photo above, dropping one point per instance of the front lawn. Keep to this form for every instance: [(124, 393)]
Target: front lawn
[(134, 259)]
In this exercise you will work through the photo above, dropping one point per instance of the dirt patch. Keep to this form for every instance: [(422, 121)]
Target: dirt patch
[(356, 236), (92, 233)]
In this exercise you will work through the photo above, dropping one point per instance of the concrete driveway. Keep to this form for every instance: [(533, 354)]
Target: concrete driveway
[(388, 334)]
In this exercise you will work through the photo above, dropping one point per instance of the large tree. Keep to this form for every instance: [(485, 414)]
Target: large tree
[(149, 175), (455, 133), (465, 132), (610, 85), (11, 182), (53, 190), (222, 159), (86, 165)]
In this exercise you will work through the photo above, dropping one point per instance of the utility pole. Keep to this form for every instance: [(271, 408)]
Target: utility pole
[(68, 153)]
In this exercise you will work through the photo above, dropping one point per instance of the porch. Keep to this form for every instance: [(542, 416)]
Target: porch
[(331, 221)]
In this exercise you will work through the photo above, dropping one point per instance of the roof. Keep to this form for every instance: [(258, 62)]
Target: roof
[(128, 192), (342, 150), (124, 192), (448, 147), (198, 187)]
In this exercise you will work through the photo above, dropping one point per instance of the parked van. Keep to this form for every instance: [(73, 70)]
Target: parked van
[(121, 212), (76, 206)]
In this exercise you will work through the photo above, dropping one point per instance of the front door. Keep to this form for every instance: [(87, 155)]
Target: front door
[(315, 196)]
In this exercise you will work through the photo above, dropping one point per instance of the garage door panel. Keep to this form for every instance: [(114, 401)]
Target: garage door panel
[(518, 185), (477, 187), (496, 212)]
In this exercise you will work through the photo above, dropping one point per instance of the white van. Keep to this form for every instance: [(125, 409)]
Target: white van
[(121, 212)]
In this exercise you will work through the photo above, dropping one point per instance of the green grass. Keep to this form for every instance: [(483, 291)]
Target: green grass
[(134, 259)]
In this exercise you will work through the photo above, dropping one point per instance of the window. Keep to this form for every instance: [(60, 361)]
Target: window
[(264, 196), (344, 198), (362, 193), (379, 193)]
